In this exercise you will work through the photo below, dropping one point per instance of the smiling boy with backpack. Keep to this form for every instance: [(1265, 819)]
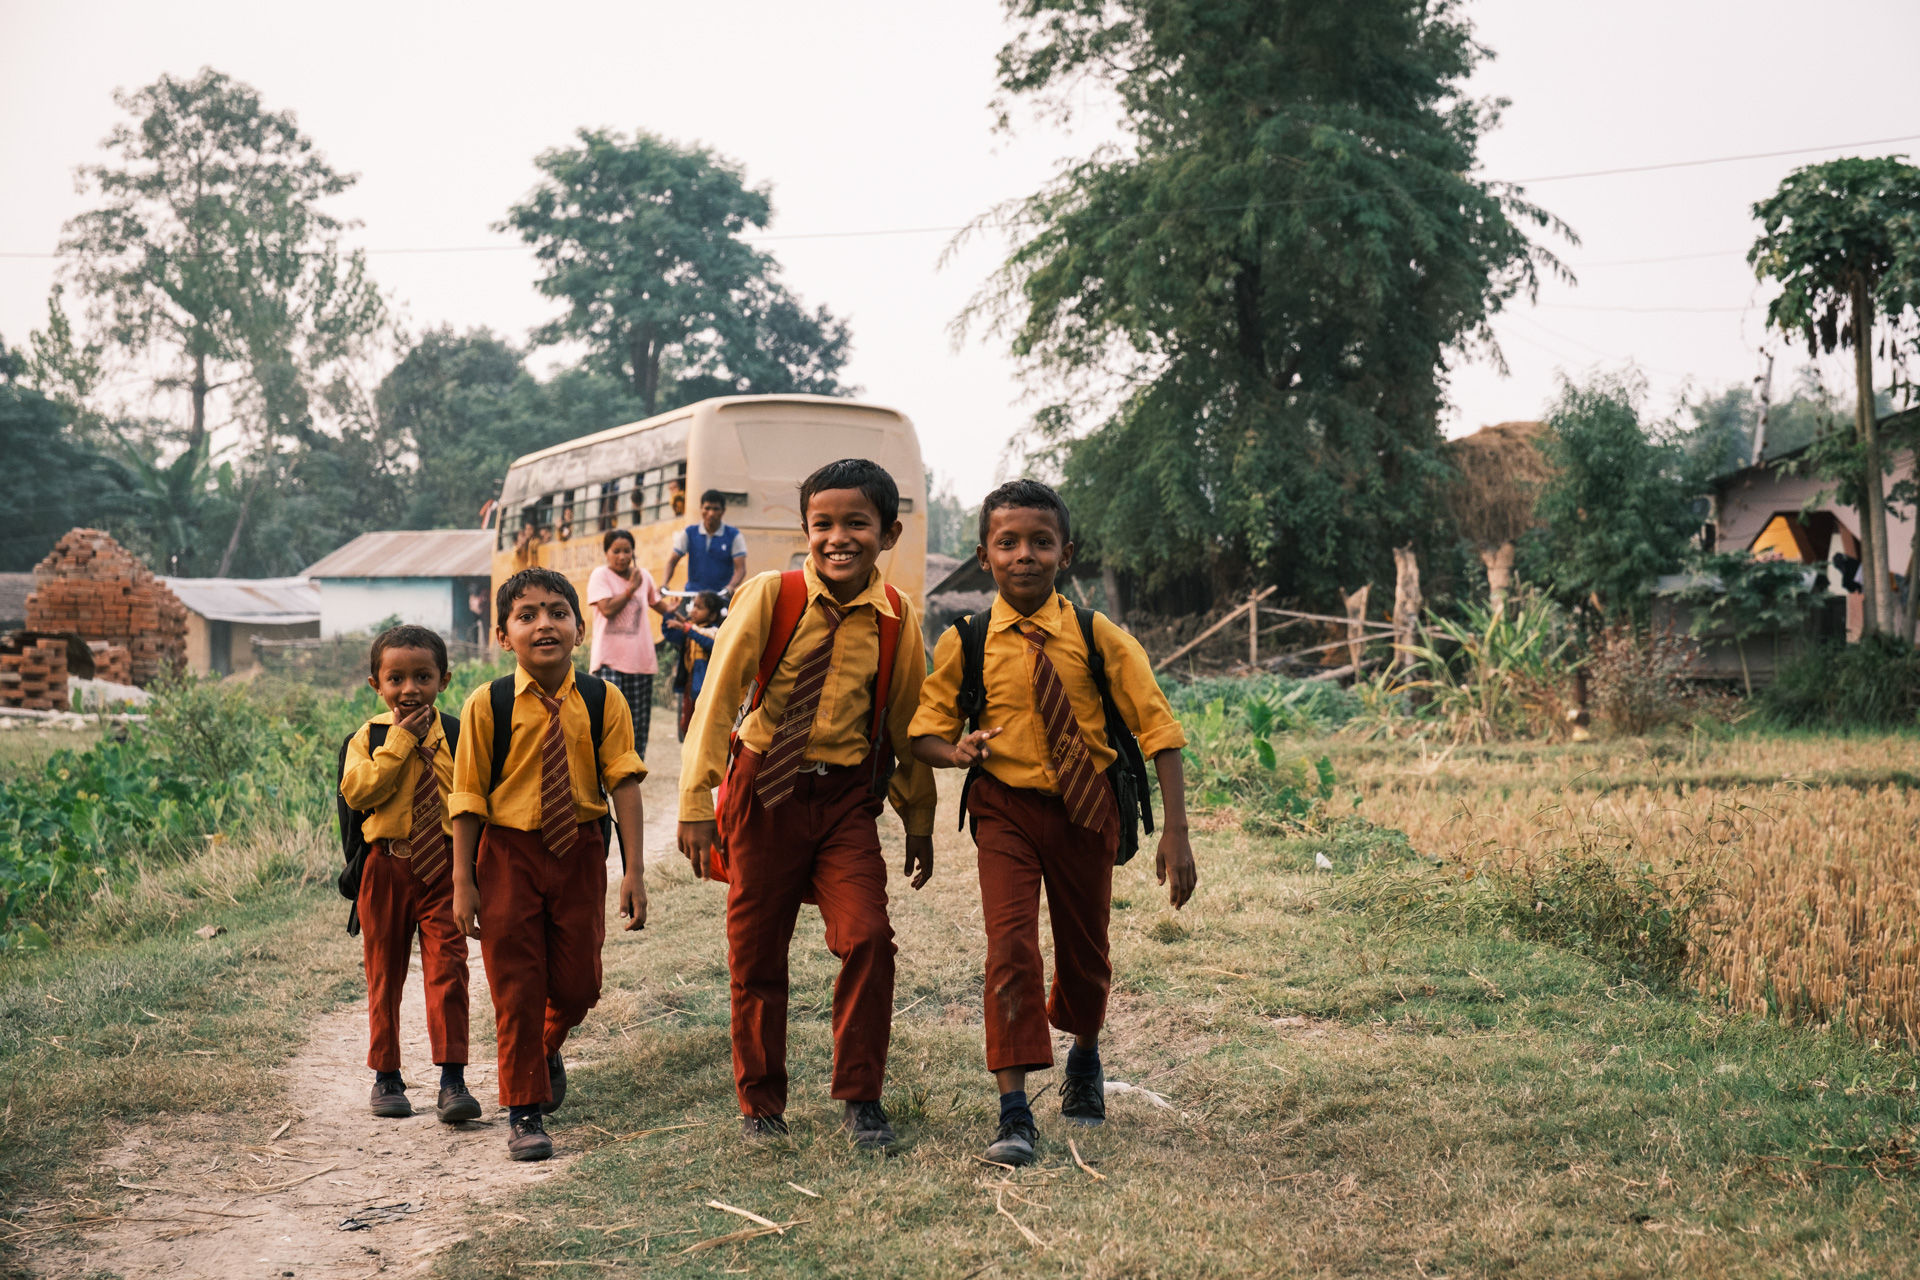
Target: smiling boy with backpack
[(1052, 710), (546, 754)]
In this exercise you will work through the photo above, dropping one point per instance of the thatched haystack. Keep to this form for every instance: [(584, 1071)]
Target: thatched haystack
[(1501, 474)]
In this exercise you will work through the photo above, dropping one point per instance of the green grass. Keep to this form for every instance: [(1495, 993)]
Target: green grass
[(137, 1019), (1345, 1103)]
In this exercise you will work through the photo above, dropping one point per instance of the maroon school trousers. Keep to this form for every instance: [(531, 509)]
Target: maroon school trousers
[(821, 844), (542, 922), (393, 906), (1025, 841)]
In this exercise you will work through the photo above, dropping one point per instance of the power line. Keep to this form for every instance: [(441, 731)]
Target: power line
[(946, 230)]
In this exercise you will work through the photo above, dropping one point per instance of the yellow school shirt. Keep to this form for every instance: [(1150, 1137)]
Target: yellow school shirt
[(517, 803), (380, 783), (840, 726), (1020, 757)]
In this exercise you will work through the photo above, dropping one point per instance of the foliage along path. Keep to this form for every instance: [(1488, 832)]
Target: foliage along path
[(197, 1208)]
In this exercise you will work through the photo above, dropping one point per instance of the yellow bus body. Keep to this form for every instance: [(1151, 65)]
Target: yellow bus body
[(755, 449)]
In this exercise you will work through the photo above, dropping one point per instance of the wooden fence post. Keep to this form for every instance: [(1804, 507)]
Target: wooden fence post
[(1406, 603)]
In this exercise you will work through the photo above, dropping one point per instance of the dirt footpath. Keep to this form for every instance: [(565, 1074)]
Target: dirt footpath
[(318, 1187)]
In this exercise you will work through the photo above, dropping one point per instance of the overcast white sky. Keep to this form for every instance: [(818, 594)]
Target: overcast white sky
[(872, 116)]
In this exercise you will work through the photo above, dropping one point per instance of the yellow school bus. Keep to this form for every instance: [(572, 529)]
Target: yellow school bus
[(647, 477)]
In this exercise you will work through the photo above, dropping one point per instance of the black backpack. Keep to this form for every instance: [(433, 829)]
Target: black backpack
[(1128, 772), (593, 692), (353, 841)]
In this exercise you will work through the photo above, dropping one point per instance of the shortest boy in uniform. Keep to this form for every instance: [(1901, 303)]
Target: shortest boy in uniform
[(1043, 808), (406, 883), (529, 860)]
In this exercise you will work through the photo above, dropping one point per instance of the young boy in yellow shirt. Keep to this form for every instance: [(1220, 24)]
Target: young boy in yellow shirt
[(541, 754), (826, 662), (1052, 690), (399, 785)]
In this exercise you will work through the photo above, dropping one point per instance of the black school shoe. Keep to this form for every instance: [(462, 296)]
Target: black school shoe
[(527, 1140), (456, 1104), (389, 1100), (1015, 1141), (759, 1128), (867, 1124), (557, 1078), (1083, 1099)]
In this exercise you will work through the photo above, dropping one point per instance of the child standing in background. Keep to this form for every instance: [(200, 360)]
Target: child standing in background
[(692, 637), (398, 772), (620, 592)]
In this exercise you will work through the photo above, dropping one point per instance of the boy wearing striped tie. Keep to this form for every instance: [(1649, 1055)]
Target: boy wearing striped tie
[(400, 783), (825, 663), (542, 753), (1045, 728)]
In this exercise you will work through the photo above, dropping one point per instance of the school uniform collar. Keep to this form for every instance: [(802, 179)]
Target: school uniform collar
[(522, 679), (1051, 617), (875, 593), (434, 735)]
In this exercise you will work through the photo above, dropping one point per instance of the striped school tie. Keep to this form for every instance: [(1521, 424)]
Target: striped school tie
[(1088, 799), (427, 839), (774, 783), (558, 828)]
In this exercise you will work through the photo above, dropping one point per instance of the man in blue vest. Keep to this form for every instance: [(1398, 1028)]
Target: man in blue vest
[(715, 551)]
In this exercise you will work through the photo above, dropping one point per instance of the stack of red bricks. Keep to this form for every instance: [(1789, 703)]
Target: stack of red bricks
[(111, 661), (91, 584), (36, 677)]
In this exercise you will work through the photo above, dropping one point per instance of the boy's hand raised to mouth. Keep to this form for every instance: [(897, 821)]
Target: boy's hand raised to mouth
[(416, 721)]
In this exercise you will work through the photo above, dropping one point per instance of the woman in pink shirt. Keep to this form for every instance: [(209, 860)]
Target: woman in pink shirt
[(620, 592)]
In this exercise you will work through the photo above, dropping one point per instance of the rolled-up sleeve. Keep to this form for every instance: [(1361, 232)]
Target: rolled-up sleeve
[(473, 757), (911, 789), (1142, 704), (735, 658), (938, 715)]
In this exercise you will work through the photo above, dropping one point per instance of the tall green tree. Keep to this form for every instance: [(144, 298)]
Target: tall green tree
[(53, 481), (642, 240), (1270, 279), (209, 255), (1618, 510), (1842, 240)]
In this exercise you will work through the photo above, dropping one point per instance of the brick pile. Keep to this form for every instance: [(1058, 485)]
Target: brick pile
[(36, 677), (111, 662), (91, 584)]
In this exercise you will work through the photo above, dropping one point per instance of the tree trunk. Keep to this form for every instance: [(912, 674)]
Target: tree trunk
[(645, 353), (1499, 562), (240, 522), (1110, 583), (198, 388), (1406, 603), (1913, 566), (1874, 517)]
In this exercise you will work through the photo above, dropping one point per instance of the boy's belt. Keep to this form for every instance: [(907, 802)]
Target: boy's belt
[(401, 848)]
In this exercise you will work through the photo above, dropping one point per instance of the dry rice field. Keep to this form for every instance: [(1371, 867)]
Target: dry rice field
[(1814, 840)]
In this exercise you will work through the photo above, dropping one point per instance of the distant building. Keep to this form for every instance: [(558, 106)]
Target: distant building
[(437, 578), (226, 615)]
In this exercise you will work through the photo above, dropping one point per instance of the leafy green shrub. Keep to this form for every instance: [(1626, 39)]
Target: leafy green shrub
[(1312, 706), (1240, 759), (1874, 684), (1491, 675)]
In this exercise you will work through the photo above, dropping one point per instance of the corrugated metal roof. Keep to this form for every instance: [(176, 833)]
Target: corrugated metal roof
[(411, 553), (263, 601)]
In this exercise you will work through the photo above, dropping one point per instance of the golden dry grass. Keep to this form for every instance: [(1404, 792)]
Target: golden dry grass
[(1815, 839)]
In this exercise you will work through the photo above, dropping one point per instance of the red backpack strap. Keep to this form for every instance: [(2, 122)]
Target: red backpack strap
[(788, 609), (883, 680)]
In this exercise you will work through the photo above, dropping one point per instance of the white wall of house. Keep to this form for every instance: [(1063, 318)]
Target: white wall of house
[(356, 604)]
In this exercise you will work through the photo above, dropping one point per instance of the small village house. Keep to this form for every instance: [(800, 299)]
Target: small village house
[(437, 578), (226, 615)]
